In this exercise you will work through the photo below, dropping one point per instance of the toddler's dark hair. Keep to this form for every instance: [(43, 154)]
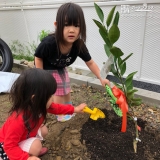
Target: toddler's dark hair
[(30, 92), (73, 15)]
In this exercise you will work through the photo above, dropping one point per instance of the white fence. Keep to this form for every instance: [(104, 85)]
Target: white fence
[(139, 25)]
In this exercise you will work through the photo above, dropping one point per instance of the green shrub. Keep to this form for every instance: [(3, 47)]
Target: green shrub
[(23, 51), (43, 34)]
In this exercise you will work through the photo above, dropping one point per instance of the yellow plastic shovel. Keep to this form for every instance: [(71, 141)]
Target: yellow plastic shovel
[(95, 113)]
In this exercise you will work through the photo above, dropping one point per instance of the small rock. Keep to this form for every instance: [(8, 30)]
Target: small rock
[(75, 142), (74, 155), (22, 61), (74, 131), (68, 145), (58, 158), (57, 148), (30, 64), (150, 110), (85, 153), (25, 62), (158, 120), (154, 108), (77, 158), (53, 155)]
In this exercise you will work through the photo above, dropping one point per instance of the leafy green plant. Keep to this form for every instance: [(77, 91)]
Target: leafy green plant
[(20, 57), (43, 34), (110, 33), (23, 51)]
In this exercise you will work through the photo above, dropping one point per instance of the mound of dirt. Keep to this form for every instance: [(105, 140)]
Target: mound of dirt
[(105, 141)]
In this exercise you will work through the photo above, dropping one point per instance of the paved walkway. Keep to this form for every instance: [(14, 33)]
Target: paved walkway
[(86, 77)]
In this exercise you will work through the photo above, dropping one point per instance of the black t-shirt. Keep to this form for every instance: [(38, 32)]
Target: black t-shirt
[(52, 57)]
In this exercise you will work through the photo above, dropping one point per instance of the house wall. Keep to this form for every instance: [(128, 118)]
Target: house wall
[(139, 26)]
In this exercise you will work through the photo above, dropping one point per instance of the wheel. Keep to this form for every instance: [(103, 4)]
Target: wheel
[(6, 58)]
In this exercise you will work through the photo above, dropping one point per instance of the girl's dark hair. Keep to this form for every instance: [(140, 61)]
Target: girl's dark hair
[(73, 15), (30, 93)]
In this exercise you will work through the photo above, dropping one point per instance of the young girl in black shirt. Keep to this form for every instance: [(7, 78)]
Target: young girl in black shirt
[(59, 50)]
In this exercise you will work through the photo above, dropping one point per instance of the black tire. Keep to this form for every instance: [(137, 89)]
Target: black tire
[(6, 58)]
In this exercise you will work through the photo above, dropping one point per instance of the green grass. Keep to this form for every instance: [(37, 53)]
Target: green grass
[(20, 57)]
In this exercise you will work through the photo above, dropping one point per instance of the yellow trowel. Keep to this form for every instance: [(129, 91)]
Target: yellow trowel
[(95, 113)]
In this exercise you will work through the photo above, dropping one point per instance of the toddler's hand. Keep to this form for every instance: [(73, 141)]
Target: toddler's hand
[(79, 109), (33, 158)]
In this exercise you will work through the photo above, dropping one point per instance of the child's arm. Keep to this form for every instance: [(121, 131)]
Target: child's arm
[(12, 137), (79, 109), (94, 68), (38, 62), (65, 108)]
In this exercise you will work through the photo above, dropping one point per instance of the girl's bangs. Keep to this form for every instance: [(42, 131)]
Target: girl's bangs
[(72, 17)]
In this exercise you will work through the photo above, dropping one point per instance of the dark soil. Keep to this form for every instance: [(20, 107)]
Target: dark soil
[(82, 138), (104, 140)]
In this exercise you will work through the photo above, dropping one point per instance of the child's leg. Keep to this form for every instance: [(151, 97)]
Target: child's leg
[(33, 145), (62, 94), (62, 99), (44, 130), (35, 148)]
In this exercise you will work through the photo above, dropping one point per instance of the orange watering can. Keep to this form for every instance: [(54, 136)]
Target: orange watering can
[(95, 113)]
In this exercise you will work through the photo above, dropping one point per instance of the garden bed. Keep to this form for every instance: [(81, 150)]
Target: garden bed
[(81, 138)]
